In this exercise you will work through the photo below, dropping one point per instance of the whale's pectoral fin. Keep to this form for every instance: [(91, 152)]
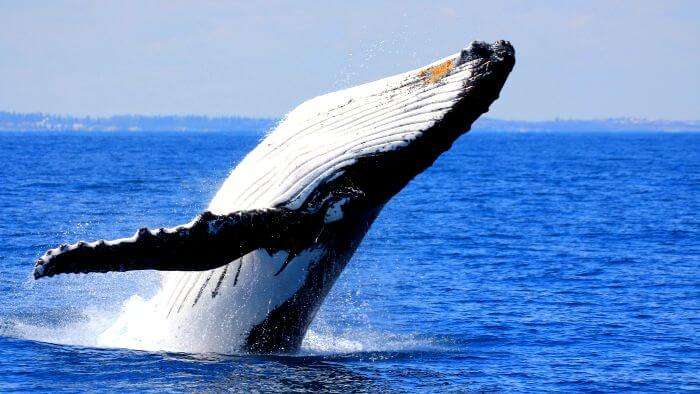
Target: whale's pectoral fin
[(207, 242)]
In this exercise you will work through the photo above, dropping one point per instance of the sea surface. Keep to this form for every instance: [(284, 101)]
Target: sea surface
[(518, 262)]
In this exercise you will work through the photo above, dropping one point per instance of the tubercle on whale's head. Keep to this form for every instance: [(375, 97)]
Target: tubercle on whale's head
[(500, 50)]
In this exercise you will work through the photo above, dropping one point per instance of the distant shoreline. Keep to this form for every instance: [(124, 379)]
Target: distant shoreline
[(21, 122)]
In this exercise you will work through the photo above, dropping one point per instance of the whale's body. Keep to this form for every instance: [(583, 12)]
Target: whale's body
[(251, 273)]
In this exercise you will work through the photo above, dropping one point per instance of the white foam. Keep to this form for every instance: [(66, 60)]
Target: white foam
[(81, 332), (362, 340), (107, 329)]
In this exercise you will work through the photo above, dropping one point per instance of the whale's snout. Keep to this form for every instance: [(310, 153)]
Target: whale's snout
[(504, 47), (503, 52), (500, 52)]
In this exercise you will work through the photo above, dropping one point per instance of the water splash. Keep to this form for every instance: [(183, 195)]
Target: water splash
[(135, 326), (361, 340)]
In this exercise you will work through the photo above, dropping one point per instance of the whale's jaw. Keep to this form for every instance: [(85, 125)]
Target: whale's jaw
[(292, 213)]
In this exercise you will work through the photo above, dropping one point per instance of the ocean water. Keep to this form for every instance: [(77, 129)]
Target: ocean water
[(519, 262)]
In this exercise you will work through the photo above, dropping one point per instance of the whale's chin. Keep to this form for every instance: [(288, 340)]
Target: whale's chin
[(251, 272)]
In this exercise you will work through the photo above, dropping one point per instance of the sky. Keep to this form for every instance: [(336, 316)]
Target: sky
[(575, 59)]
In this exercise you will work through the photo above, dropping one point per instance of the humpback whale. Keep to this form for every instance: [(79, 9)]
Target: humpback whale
[(250, 273)]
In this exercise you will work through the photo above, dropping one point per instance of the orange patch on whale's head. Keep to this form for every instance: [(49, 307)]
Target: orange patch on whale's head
[(437, 72)]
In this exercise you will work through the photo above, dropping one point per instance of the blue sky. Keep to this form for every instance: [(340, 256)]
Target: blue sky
[(575, 59)]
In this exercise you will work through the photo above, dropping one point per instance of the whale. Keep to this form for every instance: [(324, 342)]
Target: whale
[(250, 273)]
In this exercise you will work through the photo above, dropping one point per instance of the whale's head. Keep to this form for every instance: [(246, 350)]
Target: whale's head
[(372, 138)]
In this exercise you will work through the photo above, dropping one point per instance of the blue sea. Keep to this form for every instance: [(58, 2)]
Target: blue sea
[(518, 262)]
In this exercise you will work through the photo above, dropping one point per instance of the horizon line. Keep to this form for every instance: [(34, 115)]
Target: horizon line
[(277, 118)]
